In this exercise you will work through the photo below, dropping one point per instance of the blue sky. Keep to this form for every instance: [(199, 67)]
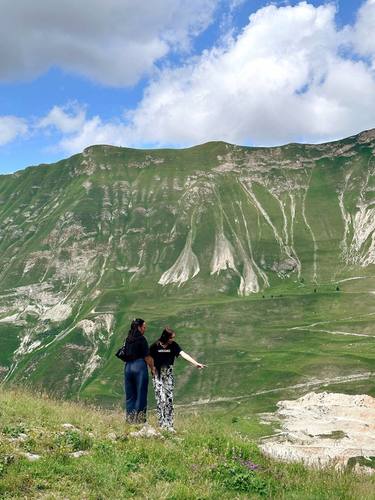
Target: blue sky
[(182, 73)]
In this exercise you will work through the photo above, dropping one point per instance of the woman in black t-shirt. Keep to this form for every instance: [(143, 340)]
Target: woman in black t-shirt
[(136, 373), (164, 351)]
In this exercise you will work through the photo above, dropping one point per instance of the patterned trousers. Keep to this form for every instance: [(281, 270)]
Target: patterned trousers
[(163, 384)]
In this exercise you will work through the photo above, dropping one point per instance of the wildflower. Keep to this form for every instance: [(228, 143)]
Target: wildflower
[(249, 464)]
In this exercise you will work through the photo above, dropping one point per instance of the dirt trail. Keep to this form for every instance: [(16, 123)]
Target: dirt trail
[(312, 383)]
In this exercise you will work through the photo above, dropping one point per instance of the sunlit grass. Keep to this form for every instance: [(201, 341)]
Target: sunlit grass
[(209, 457)]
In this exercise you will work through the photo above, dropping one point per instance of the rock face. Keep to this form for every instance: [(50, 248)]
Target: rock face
[(84, 239), (324, 429)]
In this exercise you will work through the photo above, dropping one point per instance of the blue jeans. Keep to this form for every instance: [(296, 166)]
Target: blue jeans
[(136, 385)]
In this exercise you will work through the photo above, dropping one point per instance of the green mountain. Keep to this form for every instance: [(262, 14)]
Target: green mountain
[(261, 259)]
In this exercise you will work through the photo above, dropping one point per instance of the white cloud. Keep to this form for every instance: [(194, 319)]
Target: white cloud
[(95, 131), (282, 79), (362, 34), (114, 42), (78, 131), (67, 119), (285, 78), (10, 128)]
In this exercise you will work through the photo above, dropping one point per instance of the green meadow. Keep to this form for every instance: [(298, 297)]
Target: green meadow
[(259, 349), (40, 435)]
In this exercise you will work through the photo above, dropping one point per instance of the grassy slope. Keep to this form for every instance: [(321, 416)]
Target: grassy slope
[(247, 342), (206, 459), (248, 346)]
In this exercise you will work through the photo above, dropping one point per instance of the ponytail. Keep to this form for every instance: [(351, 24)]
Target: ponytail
[(134, 328)]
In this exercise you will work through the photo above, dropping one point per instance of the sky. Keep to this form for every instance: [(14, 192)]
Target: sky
[(176, 73)]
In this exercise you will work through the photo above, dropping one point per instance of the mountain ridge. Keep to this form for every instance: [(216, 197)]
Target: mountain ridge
[(363, 134), (267, 233)]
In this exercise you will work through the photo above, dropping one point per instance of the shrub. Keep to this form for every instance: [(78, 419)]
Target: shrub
[(4, 461), (167, 474), (235, 476), (72, 441), (14, 430)]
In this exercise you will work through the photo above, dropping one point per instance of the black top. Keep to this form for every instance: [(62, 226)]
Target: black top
[(136, 347), (164, 356)]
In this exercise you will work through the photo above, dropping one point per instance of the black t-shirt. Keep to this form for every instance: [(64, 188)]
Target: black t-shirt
[(164, 356), (136, 347)]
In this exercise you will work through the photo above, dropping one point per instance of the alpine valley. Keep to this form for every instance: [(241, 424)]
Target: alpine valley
[(261, 259)]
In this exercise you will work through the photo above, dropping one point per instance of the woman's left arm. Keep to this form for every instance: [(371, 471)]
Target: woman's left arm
[(192, 360)]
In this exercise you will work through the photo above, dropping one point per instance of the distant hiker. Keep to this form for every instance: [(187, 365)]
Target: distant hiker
[(164, 351), (136, 373)]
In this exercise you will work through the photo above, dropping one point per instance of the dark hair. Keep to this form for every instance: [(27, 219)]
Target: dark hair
[(166, 335), (134, 327)]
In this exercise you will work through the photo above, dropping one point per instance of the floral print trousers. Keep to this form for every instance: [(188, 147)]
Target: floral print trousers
[(163, 384)]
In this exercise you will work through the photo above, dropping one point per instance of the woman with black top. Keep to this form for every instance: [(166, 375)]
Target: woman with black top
[(164, 351), (136, 373)]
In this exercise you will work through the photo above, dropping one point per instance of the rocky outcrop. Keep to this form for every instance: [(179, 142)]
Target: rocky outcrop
[(322, 429)]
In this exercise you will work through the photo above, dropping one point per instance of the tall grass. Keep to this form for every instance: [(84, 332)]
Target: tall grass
[(207, 458)]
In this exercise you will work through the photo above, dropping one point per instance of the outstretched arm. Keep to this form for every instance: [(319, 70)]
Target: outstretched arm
[(191, 360)]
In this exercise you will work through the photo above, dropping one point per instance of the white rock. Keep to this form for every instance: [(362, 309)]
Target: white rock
[(21, 437), (77, 454), (59, 312), (185, 267), (223, 254), (32, 457), (69, 426), (324, 428), (147, 431)]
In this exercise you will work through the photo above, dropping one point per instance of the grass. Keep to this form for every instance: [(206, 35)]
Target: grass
[(209, 457), (249, 346)]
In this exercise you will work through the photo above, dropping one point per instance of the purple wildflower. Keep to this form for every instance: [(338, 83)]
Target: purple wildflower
[(249, 464)]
